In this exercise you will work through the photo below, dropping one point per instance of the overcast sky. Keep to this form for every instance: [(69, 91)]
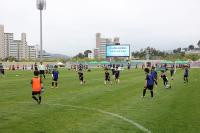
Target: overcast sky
[(70, 25)]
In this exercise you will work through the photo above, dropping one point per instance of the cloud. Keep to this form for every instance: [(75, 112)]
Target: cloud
[(70, 25)]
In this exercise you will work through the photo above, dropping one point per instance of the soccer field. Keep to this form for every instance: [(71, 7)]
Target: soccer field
[(98, 108)]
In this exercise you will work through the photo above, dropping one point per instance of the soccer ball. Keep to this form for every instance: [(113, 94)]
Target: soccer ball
[(168, 86)]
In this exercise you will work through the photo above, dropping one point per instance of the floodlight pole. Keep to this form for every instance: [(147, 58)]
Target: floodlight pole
[(41, 51), (41, 5)]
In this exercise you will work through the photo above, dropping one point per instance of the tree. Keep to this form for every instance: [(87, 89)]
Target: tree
[(80, 55), (179, 50), (86, 52), (175, 51), (198, 44), (192, 57), (10, 58), (154, 54), (191, 47)]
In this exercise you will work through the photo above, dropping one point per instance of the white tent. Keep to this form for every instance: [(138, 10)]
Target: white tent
[(60, 64)]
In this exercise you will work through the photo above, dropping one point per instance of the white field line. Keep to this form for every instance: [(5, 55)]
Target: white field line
[(142, 128)]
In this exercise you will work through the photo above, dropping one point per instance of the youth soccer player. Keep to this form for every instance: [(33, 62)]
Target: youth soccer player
[(129, 66), (36, 66), (154, 75), (165, 79), (55, 74), (80, 74), (107, 77), (36, 87), (117, 75), (149, 82), (81, 78), (172, 72), (113, 70), (186, 74), (2, 71)]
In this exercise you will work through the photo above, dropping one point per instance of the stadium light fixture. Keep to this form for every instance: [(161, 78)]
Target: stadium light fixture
[(41, 5)]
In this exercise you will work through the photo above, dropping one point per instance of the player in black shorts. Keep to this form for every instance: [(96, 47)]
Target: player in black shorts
[(2, 70), (186, 74), (80, 73), (155, 75), (113, 70), (149, 82), (81, 78), (107, 77), (172, 72), (165, 79), (117, 75)]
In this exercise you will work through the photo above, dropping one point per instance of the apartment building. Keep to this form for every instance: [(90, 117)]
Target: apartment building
[(100, 50), (16, 48)]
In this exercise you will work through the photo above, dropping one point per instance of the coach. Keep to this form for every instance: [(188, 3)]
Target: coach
[(41, 69)]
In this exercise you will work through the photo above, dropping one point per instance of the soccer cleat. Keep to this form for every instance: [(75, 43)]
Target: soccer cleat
[(37, 100)]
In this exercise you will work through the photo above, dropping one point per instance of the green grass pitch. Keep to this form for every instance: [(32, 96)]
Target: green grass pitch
[(98, 108)]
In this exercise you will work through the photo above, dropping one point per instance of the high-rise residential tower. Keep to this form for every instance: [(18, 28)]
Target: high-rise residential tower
[(2, 45), (15, 48), (10, 47), (100, 50), (24, 47)]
